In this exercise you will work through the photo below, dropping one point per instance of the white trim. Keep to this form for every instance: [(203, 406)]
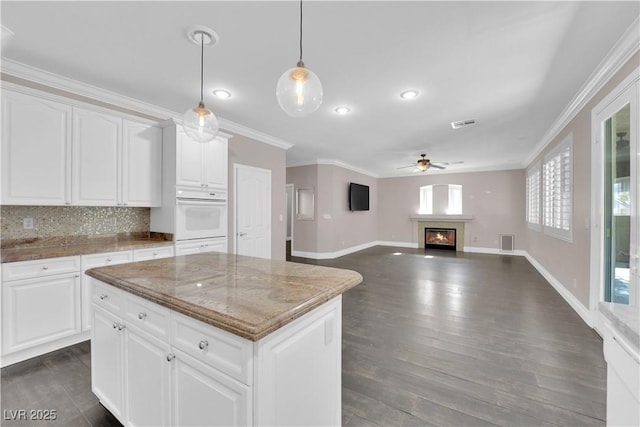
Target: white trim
[(397, 244), (442, 218), (28, 353), (332, 162), (621, 52), (254, 134), (577, 306), (492, 251), (606, 107), (332, 255), (56, 81)]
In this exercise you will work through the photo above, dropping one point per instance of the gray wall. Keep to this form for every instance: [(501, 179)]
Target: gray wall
[(570, 262), (495, 199), (246, 151), (334, 227)]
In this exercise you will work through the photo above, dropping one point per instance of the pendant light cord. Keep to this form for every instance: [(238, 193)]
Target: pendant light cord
[(300, 30), (201, 68)]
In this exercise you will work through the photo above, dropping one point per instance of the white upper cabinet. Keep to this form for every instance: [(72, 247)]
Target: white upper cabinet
[(76, 156), (198, 164), (97, 140), (141, 165), (36, 151)]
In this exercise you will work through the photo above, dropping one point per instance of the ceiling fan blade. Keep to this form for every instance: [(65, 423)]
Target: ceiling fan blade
[(404, 167), (436, 166)]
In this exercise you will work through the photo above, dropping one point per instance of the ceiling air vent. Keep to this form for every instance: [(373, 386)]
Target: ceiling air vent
[(462, 123)]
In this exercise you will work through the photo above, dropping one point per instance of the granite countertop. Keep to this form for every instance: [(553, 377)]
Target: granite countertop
[(249, 297), (625, 319), (61, 248)]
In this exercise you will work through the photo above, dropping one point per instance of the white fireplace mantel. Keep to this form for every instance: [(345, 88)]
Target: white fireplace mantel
[(446, 218)]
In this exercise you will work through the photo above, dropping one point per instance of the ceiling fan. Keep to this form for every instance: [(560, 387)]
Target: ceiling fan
[(423, 164)]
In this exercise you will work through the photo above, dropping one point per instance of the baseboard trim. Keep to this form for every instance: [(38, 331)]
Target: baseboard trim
[(331, 255), (397, 244), (577, 306), (492, 251)]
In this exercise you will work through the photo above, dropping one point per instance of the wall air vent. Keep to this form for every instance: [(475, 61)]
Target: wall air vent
[(462, 123)]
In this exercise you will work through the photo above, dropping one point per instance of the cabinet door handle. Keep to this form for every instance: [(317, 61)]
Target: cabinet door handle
[(109, 260), (203, 344), (155, 254), (142, 315), (115, 325), (170, 357), (121, 326), (44, 267), (104, 296)]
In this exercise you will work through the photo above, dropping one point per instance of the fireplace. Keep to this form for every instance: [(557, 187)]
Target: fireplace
[(440, 238)]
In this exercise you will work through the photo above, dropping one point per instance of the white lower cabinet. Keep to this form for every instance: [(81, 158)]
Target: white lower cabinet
[(41, 307), (204, 396), (163, 368), (623, 380)]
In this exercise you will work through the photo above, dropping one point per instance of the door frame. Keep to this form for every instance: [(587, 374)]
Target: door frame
[(237, 167), (608, 104), (292, 211)]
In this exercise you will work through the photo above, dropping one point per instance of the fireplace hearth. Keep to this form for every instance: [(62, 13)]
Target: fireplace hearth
[(440, 238)]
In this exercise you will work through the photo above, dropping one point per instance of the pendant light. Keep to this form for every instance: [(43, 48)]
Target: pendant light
[(299, 90), (198, 122)]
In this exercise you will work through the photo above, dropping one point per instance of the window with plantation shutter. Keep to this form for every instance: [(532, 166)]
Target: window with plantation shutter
[(557, 191), (533, 197)]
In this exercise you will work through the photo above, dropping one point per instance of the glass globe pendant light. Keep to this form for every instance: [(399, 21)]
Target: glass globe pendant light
[(199, 122), (299, 90)]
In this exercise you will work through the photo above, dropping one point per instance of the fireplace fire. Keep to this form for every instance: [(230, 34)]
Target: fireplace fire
[(440, 238)]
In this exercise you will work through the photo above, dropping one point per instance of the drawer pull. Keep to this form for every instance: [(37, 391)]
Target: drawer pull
[(203, 344), (155, 254), (104, 296), (142, 315), (170, 357), (109, 259), (44, 267), (115, 325), (121, 326)]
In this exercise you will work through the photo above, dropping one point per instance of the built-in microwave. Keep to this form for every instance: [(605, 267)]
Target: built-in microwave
[(200, 214)]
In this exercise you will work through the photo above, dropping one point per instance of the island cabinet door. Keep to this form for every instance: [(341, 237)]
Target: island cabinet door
[(107, 356), (203, 396), (147, 379), (299, 371)]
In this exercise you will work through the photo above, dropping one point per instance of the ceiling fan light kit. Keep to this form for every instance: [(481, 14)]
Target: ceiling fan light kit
[(199, 122), (299, 91)]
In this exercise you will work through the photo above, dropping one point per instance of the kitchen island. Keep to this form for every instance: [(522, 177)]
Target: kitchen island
[(219, 339)]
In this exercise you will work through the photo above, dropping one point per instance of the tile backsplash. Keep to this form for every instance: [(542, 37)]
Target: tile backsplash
[(71, 221)]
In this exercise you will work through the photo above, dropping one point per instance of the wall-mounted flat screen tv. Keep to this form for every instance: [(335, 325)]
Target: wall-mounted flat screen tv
[(358, 197)]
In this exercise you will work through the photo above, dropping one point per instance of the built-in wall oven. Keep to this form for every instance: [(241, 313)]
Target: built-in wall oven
[(200, 214)]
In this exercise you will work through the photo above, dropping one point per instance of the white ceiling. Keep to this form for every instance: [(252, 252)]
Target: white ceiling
[(511, 66)]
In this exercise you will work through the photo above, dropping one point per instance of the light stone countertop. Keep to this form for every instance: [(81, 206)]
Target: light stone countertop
[(29, 253), (625, 319), (249, 297)]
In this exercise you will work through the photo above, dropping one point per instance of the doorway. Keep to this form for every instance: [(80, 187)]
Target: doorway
[(252, 211), (290, 205), (616, 184)]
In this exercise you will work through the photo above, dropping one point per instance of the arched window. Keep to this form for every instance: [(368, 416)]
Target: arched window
[(441, 199)]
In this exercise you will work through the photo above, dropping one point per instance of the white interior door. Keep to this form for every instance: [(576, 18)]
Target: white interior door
[(252, 211)]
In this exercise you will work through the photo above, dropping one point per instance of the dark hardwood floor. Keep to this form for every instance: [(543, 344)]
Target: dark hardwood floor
[(429, 338)]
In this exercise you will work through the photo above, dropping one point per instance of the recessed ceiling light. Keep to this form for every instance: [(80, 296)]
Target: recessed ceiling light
[(221, 93), (409, 94), (342, 110)]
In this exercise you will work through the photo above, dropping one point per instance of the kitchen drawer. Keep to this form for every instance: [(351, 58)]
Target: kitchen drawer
[(108, 297), (188, 247), (152, 253), (219, 349), (106, 258), (40, 268), (147, 316)]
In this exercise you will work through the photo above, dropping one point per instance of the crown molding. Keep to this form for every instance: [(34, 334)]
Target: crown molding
[(621, 52), (56, 81), (254, 134), (332, 162)]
